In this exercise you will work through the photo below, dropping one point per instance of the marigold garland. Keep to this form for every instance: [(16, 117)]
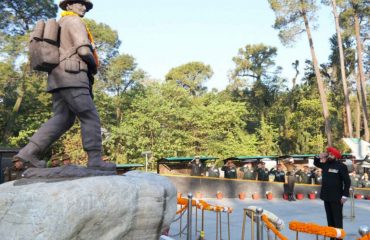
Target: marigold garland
[(89, 35), (312, 228), (272, 228), (201, 204), (366, 237)]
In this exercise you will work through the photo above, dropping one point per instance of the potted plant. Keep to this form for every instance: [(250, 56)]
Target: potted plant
[(219, 195), (299, 196), (255, 196), (269, 195), (312, 195), (242, 195), (359, 196), (285, 196)]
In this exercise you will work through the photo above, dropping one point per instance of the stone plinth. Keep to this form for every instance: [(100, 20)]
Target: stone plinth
[(133, 206)]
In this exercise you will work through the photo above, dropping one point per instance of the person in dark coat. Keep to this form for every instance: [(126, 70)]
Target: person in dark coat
[(262, 172), (15, 172), (213, 171), (229, 170), (197, 167), (290, 178), (278, 173), (305, 175), (248, 172), (335, 185)]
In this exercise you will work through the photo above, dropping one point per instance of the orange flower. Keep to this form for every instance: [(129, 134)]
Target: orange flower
[(272, 228), (312, 228)]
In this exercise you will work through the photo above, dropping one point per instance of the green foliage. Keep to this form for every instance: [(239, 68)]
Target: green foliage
[(289, 19), (255, 115), (17, 16), (191, 76)]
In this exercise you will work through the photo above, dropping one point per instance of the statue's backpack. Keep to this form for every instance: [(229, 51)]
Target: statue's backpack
[(44, 45)]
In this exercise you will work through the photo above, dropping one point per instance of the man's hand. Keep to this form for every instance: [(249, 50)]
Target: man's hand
[(343, 200)]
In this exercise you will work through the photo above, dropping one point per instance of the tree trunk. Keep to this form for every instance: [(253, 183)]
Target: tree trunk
[(358, 107), (343, 71), (320, 83), (362, 77)]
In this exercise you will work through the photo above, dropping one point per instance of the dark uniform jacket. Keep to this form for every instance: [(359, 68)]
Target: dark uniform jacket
[(335, 180), (213, 172), (11, 174), (72, 71), (305, 177), (262, 174), (230, 172), (279, 175), (196, 169), (249, 174)]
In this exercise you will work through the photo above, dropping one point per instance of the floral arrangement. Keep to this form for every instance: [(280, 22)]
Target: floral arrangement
[(312, 228), (268, 192), (366, 237), (270, 226), (203, 205)]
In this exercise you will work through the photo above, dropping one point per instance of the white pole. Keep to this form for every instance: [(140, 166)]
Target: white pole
[(146, 162)]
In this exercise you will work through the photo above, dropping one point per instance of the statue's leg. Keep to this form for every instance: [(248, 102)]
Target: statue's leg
[(49, 132), (81, 103)]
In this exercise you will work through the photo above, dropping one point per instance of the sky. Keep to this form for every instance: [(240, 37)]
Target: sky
[(163, 34)]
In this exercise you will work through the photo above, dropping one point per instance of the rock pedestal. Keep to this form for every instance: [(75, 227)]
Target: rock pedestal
[(136, 205)]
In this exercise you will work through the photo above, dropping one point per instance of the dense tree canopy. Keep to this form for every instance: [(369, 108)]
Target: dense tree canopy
[(259, 113)]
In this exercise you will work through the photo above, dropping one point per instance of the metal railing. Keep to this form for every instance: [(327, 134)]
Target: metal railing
[(200, 206), (260, 224), (351, 212)]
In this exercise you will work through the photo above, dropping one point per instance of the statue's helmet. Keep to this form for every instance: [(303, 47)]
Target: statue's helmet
[(87, 3)]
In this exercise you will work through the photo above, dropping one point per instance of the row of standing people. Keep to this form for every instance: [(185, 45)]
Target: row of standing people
[(18, 167), (306, 175), (260, 172)]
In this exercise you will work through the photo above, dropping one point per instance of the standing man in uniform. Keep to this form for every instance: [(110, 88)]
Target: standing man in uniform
[(229, 170), (278, 173), (305, 175), (290, 178), (70, 84), (15, 172), (54, 161), (335, 185), (248, 172), (197, 168), (213, 171), (262, 172)]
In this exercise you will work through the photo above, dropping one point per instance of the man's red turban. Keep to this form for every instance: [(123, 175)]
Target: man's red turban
[(335, 152)]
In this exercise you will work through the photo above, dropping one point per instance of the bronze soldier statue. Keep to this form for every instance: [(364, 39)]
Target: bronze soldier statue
[(70, 84)]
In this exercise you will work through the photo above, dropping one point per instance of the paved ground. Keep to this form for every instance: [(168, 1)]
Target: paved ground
[(304, 210)]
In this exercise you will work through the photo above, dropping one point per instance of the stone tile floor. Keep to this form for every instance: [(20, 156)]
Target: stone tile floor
[(303, 210)]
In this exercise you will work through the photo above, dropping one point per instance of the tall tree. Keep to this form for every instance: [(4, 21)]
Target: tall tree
[(292, 18), (342, 69), (191, 76), (256, 71), (121, 75), (357, 11)]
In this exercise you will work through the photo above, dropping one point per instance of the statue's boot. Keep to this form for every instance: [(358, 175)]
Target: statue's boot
[(28, 155), (95, 162)]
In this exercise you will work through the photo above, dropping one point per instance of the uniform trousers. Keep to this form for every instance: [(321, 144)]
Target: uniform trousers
[(69, 103), (334, 214)]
